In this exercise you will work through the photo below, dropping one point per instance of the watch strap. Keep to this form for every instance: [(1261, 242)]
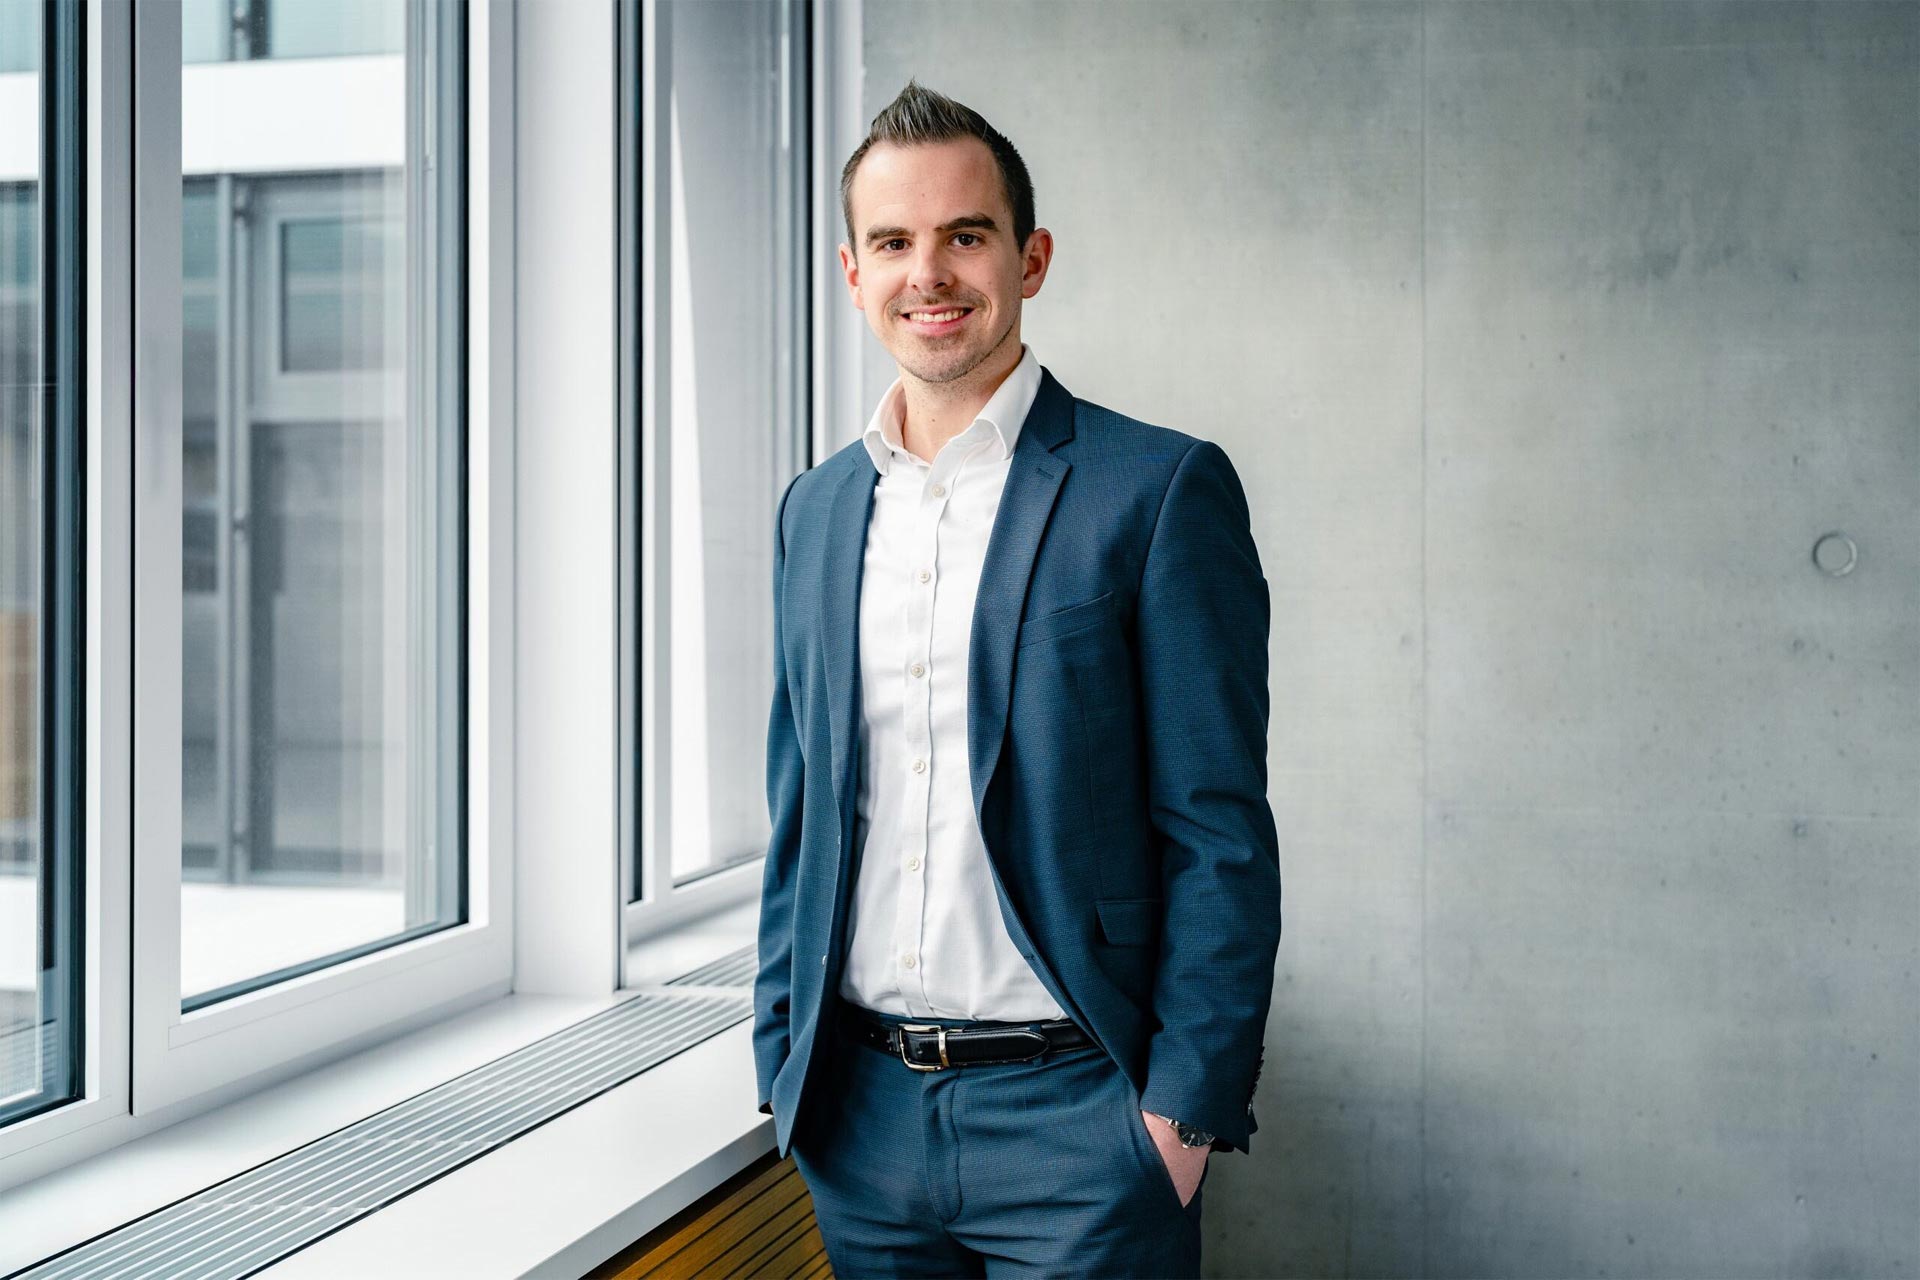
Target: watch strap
[(1188, 1135)]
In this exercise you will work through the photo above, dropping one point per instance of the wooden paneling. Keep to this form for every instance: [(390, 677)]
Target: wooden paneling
[(759, 1224)]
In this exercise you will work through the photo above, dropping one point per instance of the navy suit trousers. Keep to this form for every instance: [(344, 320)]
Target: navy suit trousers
[(1041, 1168)]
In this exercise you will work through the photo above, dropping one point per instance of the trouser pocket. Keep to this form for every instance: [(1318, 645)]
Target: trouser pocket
[(1153, 1168)]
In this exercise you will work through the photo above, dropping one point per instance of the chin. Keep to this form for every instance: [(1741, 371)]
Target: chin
[(940, 367), (949, 371)]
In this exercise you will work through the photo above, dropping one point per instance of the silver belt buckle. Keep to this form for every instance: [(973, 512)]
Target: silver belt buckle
[(923, 1066)]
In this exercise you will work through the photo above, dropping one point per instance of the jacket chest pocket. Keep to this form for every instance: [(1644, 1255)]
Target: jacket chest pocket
[(1072, 620)]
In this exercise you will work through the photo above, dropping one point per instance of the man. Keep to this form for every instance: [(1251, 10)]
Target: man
[(1022, 898)]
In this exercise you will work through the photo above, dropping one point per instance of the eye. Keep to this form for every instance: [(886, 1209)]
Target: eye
[(967, 235), (887, 244)]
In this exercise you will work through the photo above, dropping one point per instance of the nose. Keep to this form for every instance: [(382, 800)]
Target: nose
[(929, 272)]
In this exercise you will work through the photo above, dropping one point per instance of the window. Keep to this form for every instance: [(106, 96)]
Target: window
[(321, 491), (304, 876), (245, 672), (242, 481), (42, 226), (216, 30), (715, 394), (310, 632)]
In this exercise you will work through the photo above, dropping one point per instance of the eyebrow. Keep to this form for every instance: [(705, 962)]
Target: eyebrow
[(970, 221)]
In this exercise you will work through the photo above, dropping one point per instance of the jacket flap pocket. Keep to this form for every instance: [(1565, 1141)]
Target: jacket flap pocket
[(1061, 621), (1129, 922)]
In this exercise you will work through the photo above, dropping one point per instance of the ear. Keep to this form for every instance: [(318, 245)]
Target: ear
[(850, 268), (1034, 263)]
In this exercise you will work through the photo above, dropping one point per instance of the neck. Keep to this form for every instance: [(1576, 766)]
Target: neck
[(936, 412)]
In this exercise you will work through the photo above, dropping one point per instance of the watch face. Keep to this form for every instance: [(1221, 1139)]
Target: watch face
[(1192, 1137)]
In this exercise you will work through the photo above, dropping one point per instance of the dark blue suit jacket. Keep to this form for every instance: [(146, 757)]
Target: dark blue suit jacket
[(1117, 742)]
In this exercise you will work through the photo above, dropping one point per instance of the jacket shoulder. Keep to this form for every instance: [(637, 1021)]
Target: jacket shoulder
[(807, 493), (822, 477), (850, 456), (1110, 433)]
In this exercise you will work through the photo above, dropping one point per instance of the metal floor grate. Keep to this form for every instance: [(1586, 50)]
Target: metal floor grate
[(736, 969), (254, 1219)]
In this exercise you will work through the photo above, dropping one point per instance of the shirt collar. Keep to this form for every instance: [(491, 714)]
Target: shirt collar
[(1004, 414)]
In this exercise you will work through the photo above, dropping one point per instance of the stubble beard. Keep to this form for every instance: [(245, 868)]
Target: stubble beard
[(945, 373)]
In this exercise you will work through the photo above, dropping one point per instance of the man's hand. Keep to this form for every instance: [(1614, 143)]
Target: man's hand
[(1185, 1164)]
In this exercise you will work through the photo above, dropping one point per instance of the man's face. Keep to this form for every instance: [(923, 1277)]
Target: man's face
[(938, 272)]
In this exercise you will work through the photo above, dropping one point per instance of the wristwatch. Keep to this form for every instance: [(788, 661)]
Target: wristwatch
[(1188, 1135)]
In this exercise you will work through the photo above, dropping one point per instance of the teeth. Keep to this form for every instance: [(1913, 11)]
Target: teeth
[(936, 318)]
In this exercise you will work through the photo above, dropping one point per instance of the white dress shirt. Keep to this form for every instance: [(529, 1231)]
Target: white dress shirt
[(925, 934)]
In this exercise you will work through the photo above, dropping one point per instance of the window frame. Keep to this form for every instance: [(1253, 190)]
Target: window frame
[(105, 713), (651, 903), (63, 505), (315, 1016), (145, 1066), (278, 391)]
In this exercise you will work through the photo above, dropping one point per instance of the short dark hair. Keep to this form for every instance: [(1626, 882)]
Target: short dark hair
[(919, 115)]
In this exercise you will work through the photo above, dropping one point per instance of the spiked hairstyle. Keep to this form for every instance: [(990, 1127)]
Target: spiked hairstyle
[(920, 115)]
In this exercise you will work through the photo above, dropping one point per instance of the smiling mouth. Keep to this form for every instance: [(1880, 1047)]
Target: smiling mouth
[(934, 318)]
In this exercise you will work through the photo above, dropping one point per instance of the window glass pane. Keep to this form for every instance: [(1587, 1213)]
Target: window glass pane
[(20, 485), (39, 935), (321, 621), (225, 30), (320, 28), (333, 312), (206, 29), (735, 374), (20, 52)]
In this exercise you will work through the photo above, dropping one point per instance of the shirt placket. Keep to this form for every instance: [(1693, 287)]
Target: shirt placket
[(916, 676)]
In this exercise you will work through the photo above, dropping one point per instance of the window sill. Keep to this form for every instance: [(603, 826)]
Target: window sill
[(556, 1201), (569, 1195)]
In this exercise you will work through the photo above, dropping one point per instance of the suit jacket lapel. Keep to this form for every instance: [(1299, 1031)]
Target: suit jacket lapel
[(1033, 482), (846, 557)]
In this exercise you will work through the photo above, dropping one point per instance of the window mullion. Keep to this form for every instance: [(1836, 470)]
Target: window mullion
[(157, 573)]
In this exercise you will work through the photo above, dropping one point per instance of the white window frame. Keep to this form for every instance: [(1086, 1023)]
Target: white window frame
[(317, 1015), (646, 739), (107, 715), (147, 1065), (565, 501)]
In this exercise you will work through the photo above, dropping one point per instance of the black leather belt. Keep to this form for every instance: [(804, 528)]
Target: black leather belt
[(926, 1047)]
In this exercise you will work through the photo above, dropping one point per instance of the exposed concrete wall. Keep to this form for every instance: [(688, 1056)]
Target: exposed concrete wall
[(1548, 339)]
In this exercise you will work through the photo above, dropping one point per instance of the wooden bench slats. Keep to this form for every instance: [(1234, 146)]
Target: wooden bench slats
[(799, 1256), (760, 1224), (745, 1252)]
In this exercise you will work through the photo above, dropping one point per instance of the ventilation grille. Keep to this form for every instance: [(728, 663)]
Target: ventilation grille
[(254, 1219), (734, 970)]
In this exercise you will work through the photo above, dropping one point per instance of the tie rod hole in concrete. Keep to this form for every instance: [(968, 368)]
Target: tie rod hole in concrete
[(1835, 554)]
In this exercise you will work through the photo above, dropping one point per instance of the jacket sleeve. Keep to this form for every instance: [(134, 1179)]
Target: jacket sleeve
[(786, 768), (1202, 623)]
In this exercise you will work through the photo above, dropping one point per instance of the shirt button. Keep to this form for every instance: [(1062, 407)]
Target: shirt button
[(917, 669), (919, 766), (926, 575), (939, 491), (913, 864), (908, 961)]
